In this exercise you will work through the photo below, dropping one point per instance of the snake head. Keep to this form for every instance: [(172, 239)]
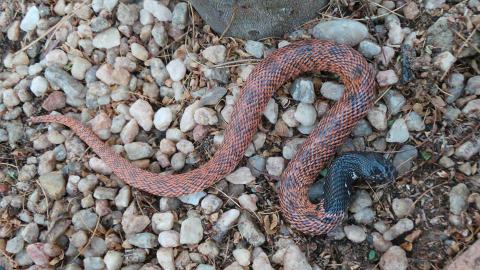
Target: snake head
[(379, 169)]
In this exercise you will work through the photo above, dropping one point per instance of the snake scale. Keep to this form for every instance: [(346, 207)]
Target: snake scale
[(314, 154)]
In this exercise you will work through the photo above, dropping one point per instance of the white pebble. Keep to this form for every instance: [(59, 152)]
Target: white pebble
[(30, 21), (142, 111), (205, 116), (305, 114), (242, 175), (176, 69), (39, 86), (163, 118)]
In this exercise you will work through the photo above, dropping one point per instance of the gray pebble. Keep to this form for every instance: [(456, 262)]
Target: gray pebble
[(302, 90), (403, 160), (458, 198), (343, 31), (249, 230)]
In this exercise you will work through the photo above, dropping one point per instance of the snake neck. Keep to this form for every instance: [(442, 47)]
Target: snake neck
[(349, 168)]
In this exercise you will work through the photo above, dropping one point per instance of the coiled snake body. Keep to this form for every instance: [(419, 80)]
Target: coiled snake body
[(331, 131)]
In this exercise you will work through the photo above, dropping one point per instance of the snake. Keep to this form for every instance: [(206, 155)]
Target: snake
[(321, 145)]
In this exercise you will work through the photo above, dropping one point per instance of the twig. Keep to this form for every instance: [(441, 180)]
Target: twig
[(426, 191)]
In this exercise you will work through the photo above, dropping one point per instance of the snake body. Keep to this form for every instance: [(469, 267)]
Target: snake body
[(331, 131)]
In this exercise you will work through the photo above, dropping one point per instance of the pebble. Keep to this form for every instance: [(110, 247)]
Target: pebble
[(158, 10), (362, 128), (10, 98), (414, 122), (39, 86), (403, 160), (122, 200), (209, 249), (275, 165), (361, 200), (193, 199), (107, 39), (13, 32), (379, 243), (433, 4), (213, 96), (411, 11), (332, 90), (30, 232), (305, 114), (402, 207), (364, 216), (248, 201), (178, 161), (295, 259), (160, 35), (302, 90), (255, 48), (31, 19), (101, 125), (369, 48), (143, 240), (211, 204), (444, 61), (56, 57), (112, 76), (386, 78), (56, 100), (79, 67), (84, 220), (163, 118), (377, 117), (355, 233), (394, 101), (169, 238), (260, 260), (271, 111), (226, 221), (165, 258), (440, 34), (129, 131), (446, 162), (456, 85), (398, 133), (142, 112), (176, 69), (343, 31), (180, 15), (74, 90), (113, 260), (473, 85), (240, 176), (191, 231), (386, 56), (458, 196), (468, 149), (105, 193), (15, 245), (185, 146), (394, 259), (38, 256), (162, 221), (215, 54), (53, 183), (472, 108), (395, 31), (402, 226), (291, 147), (139, 52), (138, 150), (93, 263), (205, 116), (250, 231), (242, 256)]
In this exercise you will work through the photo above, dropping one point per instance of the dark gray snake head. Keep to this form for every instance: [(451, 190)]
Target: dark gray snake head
[(378, 170)]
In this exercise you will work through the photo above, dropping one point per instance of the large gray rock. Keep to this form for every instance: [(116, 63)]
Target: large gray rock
[(257, 19)]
